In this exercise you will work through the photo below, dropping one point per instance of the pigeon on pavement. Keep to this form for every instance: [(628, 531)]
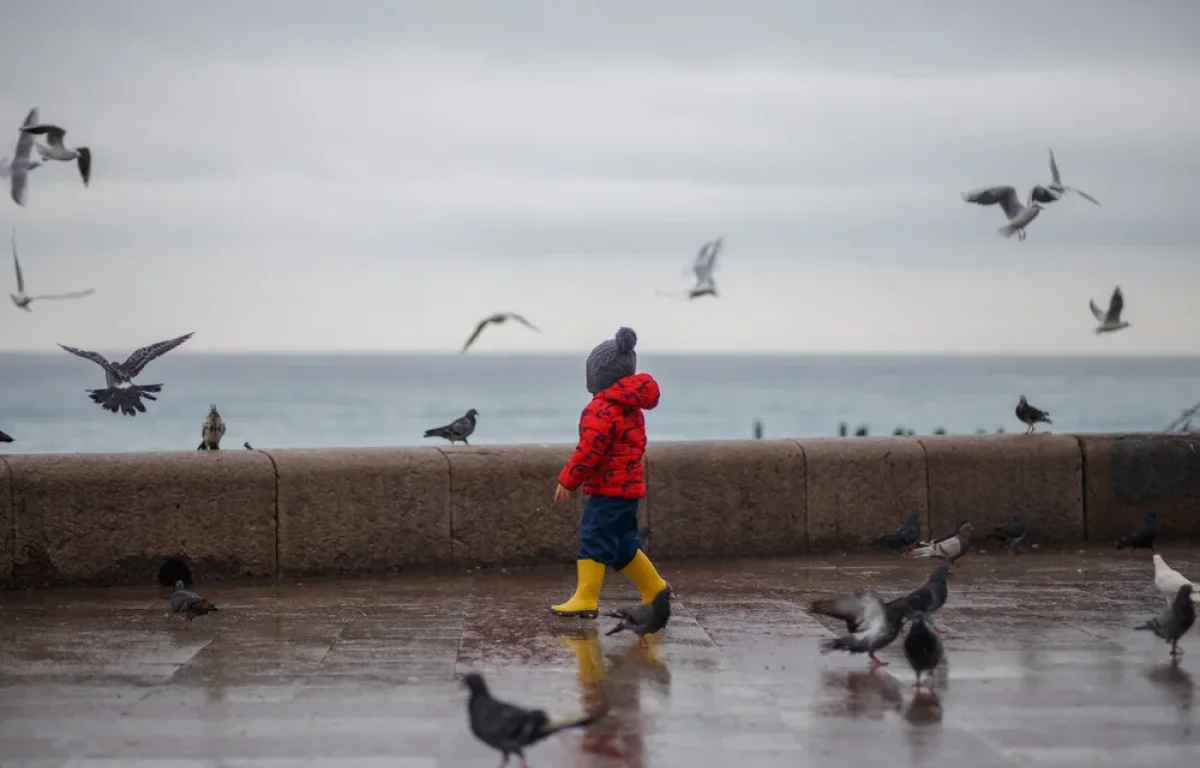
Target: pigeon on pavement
[(645, 618), (1168, 580), (1143, 537), (120, 393), (951, 549), (931, 596), (212, 429), (946, 536), (1172, 623), (1030, 416), (507, 727), (871, 624), (904, 537), (498, 319), (1011, 533), (458, 430), (922, 647), (189, 604), (5, 438)]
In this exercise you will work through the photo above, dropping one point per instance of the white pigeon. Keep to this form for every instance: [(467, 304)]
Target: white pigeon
[(1110, 320), (1019, 214), (21, 165), (951, 549), (1059, 189), (22, 299), (1168, 580)]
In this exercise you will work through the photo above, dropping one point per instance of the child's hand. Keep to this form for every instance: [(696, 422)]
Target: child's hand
[(561, 494)]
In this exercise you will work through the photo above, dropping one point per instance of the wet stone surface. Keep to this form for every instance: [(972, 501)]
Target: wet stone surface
[(1044, 669)]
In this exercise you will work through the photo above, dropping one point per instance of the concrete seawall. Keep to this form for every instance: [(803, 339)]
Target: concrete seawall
[(103, 519)]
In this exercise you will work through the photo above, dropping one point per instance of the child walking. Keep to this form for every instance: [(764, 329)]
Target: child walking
[(607, 463)]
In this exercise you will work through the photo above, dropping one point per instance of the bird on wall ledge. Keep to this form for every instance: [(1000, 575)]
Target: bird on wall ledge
[(212, 429), (5, 437)]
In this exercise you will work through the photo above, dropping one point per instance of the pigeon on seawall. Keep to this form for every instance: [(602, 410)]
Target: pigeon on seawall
[(928, 598), (247, 446), (507, 727), (5, 437), (907, 534), (189, 604), (58, 151), (458, 430), (1011, 533), (1110, 320), (1174, 622), (644, 618), (1168, 580), (1143, 537), (1020, 215), (120, 393), (871, 624), (21, 165), (212, 429), (922, 646), (951, 549), (497, 319), (1029, 416)]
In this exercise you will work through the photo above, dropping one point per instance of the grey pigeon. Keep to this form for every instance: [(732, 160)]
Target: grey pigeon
[(247, 446), (497, 319), (1143, 537), (922, 646), (645, 618), (904, 537), (458, 430), (5, 438), (1011, 533), (507, 727), (928, 598), (1019, 215), (189, 604), (871, 624), (1174, 622), (947, 536), (951, 549), (1030, 416), (212, 429), (120, 393)]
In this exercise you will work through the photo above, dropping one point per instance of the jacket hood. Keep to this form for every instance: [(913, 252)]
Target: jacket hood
[(639, 390)]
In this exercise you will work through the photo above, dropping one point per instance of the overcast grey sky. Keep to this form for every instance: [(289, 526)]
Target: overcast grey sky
[(363, 176)]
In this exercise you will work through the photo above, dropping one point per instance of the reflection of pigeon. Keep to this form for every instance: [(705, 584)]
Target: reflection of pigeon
[(922, 647), (121, 394), (1030, 416), (498, 319), (1172, 623), (1111, 319), (1168, 581), (645, 618), (5, 438), (212, 429), (507, 727), (951, 549), (931, 595), (1143, 537), (1019, 214), (871, 623), (459, 429), (1011, 533), (906, 534), (189, 604)]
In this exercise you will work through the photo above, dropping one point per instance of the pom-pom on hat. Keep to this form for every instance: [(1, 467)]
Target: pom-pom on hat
[(612, 360)]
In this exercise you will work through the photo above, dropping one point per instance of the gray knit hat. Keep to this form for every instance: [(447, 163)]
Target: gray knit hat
[(612, 360)]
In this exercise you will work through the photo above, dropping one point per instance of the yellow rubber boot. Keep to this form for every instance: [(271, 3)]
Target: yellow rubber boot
[(641, 572), (585, 603)]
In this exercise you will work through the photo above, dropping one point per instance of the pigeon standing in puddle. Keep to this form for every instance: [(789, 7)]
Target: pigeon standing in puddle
[(188, 604), (644, 618), (922, 647), (1174, 622), (507, 727)]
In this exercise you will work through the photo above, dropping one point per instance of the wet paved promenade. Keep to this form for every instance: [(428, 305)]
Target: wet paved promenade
[(1044, 670)]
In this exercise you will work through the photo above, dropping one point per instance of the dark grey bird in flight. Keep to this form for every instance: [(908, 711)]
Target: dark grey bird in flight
[(1030, 416), (58, 151), (1011, 533), (22, 299), (1174, 622), (120, 394), (1055, 190), (645, 618), (904, 537), (21, 165), (871, 624), (458, 430), (5, 437), (508, 728), (1111, 320), (922, 646), (1019, 215), (189, 604), (1143, 537), (498, 319)]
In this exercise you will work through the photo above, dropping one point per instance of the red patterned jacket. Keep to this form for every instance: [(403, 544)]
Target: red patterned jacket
[(612, 439)]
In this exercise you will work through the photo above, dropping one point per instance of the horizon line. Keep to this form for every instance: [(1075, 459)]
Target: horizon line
[(663, 353)]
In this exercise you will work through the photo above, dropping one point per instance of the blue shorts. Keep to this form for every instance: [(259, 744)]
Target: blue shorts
[(609, 531)]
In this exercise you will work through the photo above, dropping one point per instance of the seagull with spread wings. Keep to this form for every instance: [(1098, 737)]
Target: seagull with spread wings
[(21, 165), (498, 318), (705, 264), (58, 151), (1110, 320), (120, 393), (23, 300), (1058, 189), (1019, 214)]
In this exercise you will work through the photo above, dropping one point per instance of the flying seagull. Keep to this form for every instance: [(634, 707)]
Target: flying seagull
[(706, 262), (189, 604), (1029, 416), (21, 165), (6, 167), (57, 151), (508, 728), (120, 393), (458, 430), (21, 299), (1057, 189), (1110, 320), (1019, 214), (498, 319), (212, 429)]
